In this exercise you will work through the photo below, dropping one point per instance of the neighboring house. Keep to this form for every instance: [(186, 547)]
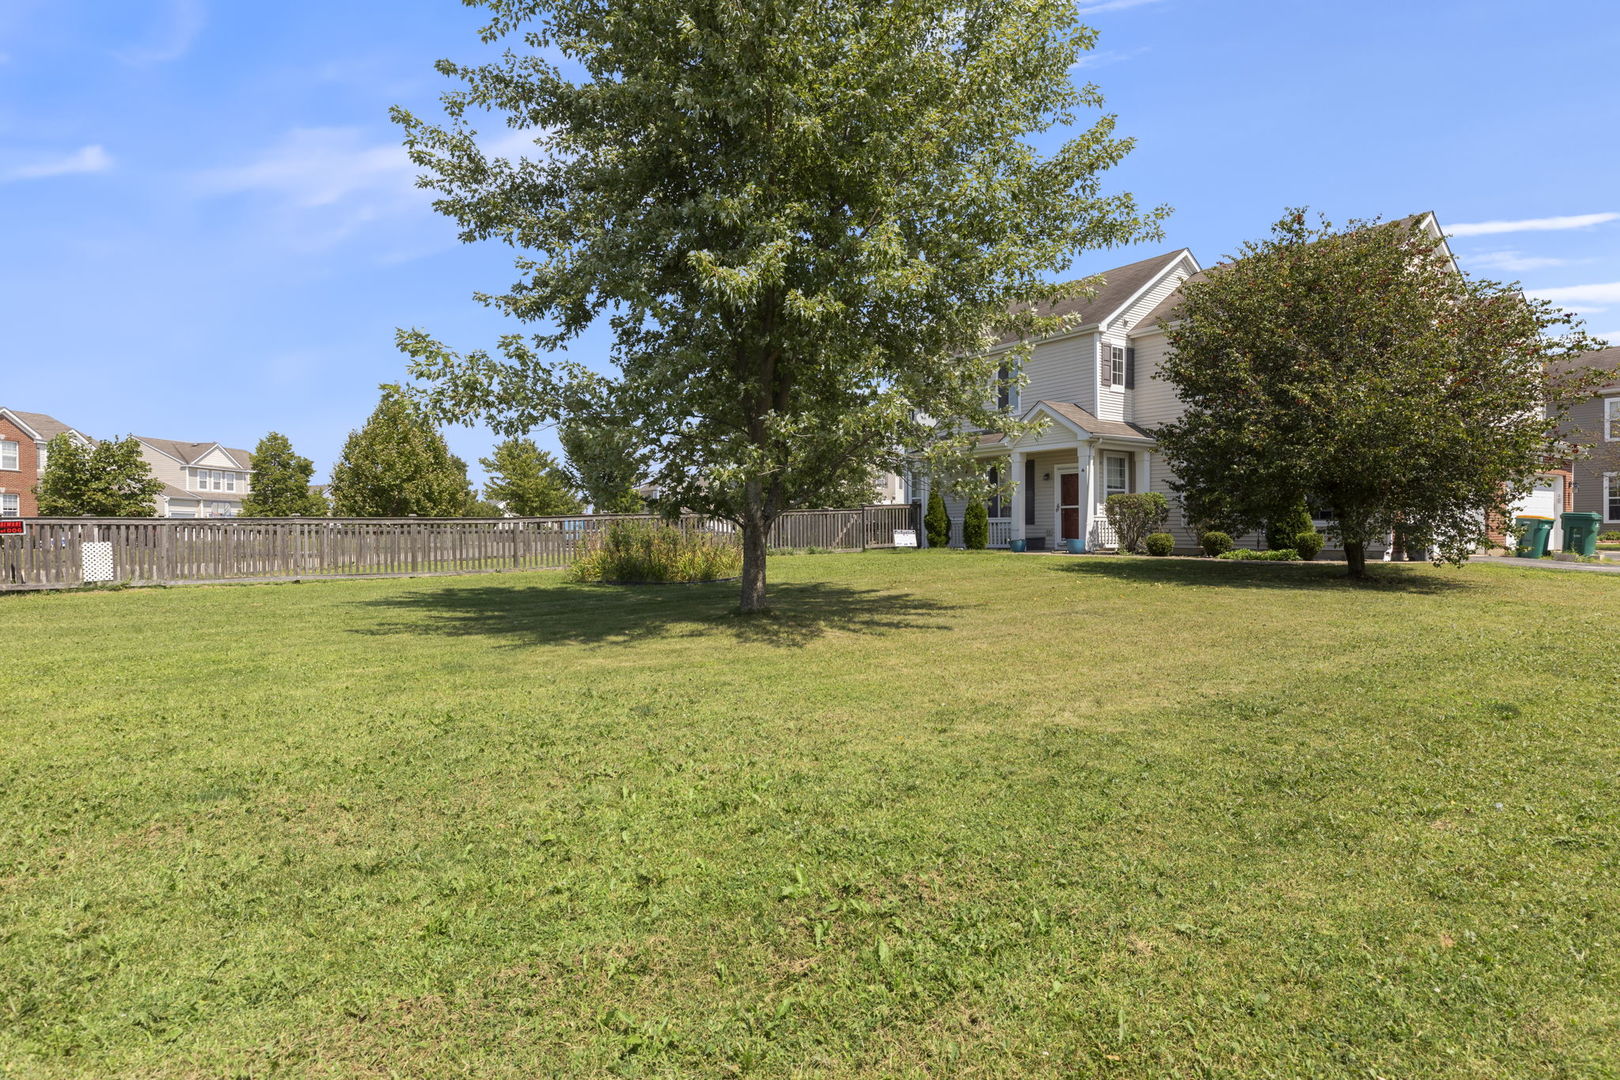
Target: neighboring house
[(23, 439), (1595, 423), (1098, 387), (200, 479)]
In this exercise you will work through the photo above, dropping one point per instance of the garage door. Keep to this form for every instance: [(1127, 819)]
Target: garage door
[(1547, 500)]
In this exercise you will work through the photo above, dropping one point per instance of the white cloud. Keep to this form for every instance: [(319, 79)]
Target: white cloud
[(1582, 297), (1105, 57), (173, 38), (1610, 336), (87, 159), (325, 183), (1489, 228), (1514, 262), (1113, 5)]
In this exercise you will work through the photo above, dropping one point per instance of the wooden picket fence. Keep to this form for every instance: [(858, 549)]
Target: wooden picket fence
[(54, 553)]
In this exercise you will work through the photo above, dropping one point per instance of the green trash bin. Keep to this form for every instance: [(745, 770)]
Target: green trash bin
[(1534, 532), (1581, 531)]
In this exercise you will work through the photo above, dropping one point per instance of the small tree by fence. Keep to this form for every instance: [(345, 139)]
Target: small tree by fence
[(54, 553)]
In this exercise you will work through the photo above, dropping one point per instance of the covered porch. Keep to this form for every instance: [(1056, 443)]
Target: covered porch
[(1062, 479)]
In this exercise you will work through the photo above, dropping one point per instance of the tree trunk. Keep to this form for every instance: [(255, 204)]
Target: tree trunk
[(754, 536), (1355, 554)]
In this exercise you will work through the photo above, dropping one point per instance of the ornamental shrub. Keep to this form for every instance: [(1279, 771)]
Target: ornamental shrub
[(1280, 533), (1610, 537), (1308, 544), (650, 552), (976, 527), (1215, 543), (1134, 516), (937, 523), (1160, 543), (1272, 555)]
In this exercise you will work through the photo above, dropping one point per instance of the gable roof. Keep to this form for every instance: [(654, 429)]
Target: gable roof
[(1165, 311), (1118, 287), (42, 426), (1601, 360), (1084, 420), (187, 453)]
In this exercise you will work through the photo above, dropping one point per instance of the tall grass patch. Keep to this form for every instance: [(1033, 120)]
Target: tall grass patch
[(648, 552)]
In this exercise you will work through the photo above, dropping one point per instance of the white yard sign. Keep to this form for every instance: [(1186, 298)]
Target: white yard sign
[(905, 538)]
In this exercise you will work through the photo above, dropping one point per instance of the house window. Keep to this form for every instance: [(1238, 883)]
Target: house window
[(1113, 366), (8, 455), (1611, 419), (230, 481), (1116, 475), (1611, 497), (10, 505)]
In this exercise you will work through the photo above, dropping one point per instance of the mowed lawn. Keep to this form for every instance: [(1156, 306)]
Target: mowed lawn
[(942, 815)]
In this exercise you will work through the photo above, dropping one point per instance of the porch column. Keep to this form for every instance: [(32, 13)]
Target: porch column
[(923, 483), (1087, 456), (1019, 494), (1144, 470)]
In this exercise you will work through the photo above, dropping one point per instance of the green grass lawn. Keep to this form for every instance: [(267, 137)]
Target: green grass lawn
[(942, 815)]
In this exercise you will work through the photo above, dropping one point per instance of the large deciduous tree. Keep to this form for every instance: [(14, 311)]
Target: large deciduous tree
[(528, 481), (110, 479), (1360, 370), (604, 463), (280, 485), (804, 222), (399, 466)]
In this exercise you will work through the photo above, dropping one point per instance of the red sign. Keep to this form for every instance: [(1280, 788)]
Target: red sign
[(12, 527)]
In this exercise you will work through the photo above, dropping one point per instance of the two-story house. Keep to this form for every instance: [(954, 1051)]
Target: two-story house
[(1595, 423), (1098, 385), (23, 440), (1095, 385), (200, 479)]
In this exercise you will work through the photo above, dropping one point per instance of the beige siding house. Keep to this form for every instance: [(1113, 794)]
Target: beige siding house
[(200, 479), (1099, 387)]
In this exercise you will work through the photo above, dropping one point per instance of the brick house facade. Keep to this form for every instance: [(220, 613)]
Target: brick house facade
[(23, 436)]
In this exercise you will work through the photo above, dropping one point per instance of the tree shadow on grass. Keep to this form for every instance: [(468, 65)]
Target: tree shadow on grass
[(575, 614), (1326, 577)]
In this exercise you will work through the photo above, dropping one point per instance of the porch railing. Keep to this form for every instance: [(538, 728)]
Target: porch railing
[(1001, 531), (1102, 535)]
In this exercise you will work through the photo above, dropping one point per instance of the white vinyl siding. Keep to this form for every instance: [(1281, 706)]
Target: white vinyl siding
[(9, 459), (1155, 399), (10, 506), (1063, 370)]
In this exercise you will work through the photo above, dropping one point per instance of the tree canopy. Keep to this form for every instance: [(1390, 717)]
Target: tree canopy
[(280, 486), (528, 481), (110, 479), (803, 222), (1361, 371), (398, 465)]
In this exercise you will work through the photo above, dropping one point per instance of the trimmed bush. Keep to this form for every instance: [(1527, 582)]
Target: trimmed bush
[(976, 527), (1273, 555), (651, 552), (1280, 533), (1134, 516), (1308, 544), (1160, 543), (1215, 543), (936, 522), (1610, 537)]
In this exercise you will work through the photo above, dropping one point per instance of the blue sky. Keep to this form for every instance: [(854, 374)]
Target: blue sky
[(209, 230)]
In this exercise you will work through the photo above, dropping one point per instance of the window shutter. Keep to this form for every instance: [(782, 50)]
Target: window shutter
[(1130, 368), (1002, 389), (1106, 372), (1029, 493)]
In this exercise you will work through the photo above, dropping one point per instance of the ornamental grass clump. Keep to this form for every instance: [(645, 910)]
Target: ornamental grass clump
[(640, 552)]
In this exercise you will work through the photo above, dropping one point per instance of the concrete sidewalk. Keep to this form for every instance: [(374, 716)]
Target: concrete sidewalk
[(1548, 564)]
